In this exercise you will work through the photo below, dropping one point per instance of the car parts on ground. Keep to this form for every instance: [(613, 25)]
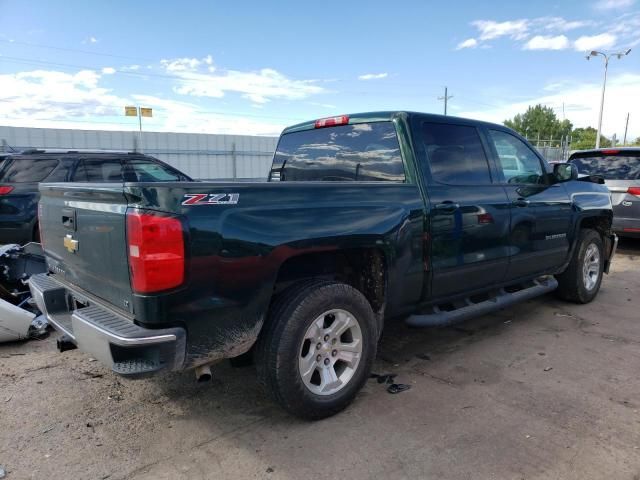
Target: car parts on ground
[(19, 317)]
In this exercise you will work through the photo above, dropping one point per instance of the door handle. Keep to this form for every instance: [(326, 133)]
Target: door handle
[(447, 206), (521, 202)]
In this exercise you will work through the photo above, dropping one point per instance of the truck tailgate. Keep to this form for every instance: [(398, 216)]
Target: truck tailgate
[(84, 238)]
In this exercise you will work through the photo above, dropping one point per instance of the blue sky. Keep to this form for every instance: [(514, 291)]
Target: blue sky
[(255, 67)]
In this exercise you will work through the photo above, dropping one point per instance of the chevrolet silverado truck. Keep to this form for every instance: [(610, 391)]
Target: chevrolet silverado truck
[(364, 219)]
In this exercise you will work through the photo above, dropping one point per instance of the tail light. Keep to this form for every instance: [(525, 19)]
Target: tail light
[(156, 251), (634, 191), (5, 189)]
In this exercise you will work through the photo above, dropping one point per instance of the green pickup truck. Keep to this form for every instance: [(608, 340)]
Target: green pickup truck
[(364, 219)]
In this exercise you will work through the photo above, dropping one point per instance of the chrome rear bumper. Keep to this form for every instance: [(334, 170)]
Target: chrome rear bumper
[(115, 340)]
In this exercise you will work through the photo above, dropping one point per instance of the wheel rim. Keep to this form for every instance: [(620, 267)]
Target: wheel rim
[(330, 352), (591, 267)]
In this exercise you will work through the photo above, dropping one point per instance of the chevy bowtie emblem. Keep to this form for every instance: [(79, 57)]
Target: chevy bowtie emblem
[(70, 244)]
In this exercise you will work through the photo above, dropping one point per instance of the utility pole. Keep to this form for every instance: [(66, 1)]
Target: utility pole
[(446, 99), (626, 126)]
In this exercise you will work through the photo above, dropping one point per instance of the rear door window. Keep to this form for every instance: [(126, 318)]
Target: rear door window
[(27, 170), (99, 171), (360, 152), (455, 154), (145, 171), (611, 167)]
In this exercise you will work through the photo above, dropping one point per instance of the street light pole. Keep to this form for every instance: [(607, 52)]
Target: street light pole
[(604, 86), (595, 53)]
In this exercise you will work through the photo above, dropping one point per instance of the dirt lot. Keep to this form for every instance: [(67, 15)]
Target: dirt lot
[(541, 390)]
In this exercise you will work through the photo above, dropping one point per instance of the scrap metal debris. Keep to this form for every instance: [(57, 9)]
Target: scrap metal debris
[(3, 472), (384, 378), (19, 317), (398, 387), (388, 379)]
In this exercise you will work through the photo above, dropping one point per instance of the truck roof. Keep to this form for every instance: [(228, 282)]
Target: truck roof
[(388, 115)]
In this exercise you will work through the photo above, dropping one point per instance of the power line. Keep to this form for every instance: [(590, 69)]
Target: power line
[(74, 50)]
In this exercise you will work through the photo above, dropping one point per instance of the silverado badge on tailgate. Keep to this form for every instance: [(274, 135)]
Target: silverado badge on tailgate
[(70, 243), (210, 198)]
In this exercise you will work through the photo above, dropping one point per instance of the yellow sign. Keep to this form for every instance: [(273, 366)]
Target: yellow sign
[(146, 112), (131, 111)]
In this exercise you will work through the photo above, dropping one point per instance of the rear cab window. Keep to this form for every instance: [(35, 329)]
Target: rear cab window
[(27, 170), (618, 165), (361, 152), (455, 154)]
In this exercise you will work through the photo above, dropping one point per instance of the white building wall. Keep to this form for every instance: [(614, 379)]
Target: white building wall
[(202, 156)]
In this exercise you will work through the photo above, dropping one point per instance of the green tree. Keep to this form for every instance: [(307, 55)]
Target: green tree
[(585, 138), (540, 122)]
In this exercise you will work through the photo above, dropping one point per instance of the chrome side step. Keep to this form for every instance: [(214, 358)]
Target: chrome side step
[(440, 315)]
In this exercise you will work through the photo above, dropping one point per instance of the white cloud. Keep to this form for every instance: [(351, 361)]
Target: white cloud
[(131, 68), (180, 64), (548, 33), (592, 42), (540, 42), (468, 43), (613, 4), (372, 76), (490, 29), (560, 24), (108, 70), (52, 99), (582, 103), (257, 86), (176, 116), (51, 95)]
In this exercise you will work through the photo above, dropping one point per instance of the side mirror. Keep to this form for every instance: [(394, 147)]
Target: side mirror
[(565, 172)]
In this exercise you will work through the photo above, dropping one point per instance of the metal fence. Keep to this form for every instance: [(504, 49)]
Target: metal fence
[(202, 156), (553, 150)]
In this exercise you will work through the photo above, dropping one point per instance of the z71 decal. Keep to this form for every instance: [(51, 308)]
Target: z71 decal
[(210, 198)]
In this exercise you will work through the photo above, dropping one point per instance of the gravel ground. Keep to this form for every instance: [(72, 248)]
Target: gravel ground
[(544, 390)]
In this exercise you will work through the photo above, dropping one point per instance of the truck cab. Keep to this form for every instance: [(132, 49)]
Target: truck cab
[(365, 219)]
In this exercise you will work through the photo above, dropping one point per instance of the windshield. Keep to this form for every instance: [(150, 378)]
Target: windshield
[(611, 167), (359, 152), (26, 170)]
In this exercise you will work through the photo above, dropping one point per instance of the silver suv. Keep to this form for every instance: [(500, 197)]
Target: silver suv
[(620, 168)]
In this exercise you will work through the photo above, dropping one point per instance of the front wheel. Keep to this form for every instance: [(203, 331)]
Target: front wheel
[(317, 349), (580, 282)]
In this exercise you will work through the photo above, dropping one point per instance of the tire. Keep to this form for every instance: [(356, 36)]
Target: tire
[(313, 329), (580, 282)]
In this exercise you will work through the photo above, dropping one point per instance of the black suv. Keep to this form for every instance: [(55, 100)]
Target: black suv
[(20, 174)]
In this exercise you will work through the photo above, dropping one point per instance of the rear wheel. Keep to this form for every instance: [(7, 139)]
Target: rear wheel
[(318, 347), (580, 282)]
